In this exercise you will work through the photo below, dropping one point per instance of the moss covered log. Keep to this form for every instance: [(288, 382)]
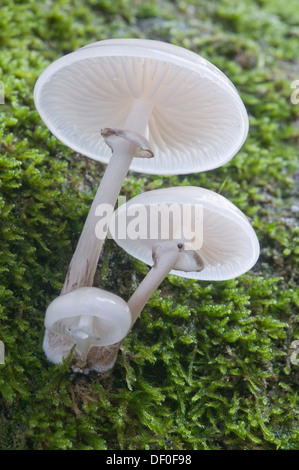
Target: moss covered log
[(208, 365)]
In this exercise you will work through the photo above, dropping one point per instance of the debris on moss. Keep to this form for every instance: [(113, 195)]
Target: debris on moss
[(208, 365)]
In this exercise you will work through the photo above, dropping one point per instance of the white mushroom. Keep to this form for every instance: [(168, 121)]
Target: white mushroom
[(220, 244), (132, 89), (209, 238), (85, 318)]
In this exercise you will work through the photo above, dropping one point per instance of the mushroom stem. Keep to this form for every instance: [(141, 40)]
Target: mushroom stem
[(83, 335), (165, 257), (85, 258)]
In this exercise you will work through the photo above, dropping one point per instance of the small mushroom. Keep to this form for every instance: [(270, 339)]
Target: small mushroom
[(148, 98), (225, 246), (86, 318)]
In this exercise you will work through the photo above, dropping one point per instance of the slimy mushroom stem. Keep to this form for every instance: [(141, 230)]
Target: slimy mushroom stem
[(125, 144), (165, 257), (84, 335)]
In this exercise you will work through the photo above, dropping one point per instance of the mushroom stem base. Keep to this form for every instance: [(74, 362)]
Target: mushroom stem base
[(99, 359)]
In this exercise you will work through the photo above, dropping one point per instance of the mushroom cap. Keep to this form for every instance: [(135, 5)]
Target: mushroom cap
[(229, 246), (197, 122), (111, 317)]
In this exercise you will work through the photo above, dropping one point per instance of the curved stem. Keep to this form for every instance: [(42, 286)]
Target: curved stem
[(85, 258), (84, 262), (83, 335), (165, 257)]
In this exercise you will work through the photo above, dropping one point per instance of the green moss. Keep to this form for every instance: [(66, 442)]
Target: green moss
[(208, 365)]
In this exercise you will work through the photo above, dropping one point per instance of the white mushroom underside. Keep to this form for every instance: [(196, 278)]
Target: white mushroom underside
[(229, 244), (198, 121), (109, 318)]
